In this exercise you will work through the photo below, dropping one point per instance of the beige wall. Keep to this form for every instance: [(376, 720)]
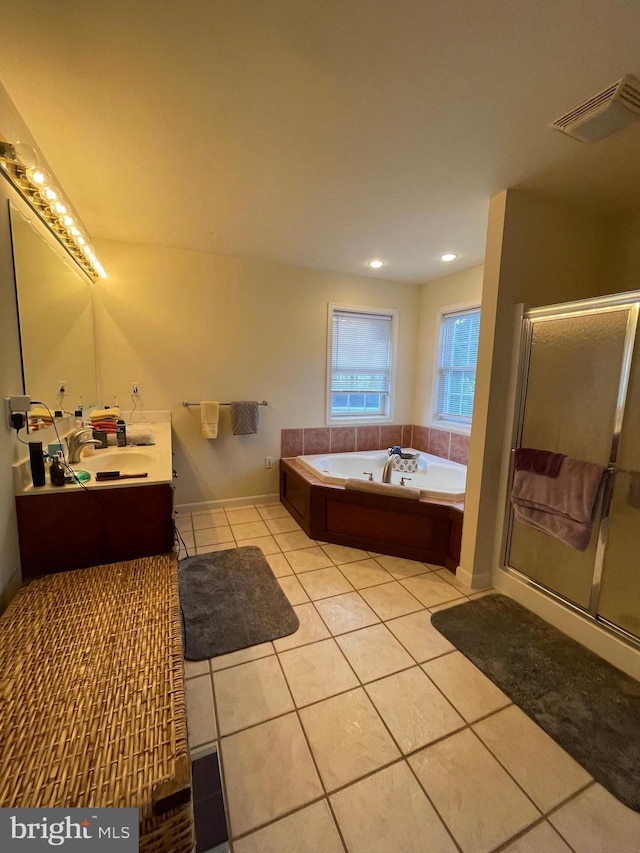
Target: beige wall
[(193, 326), (10, 368), (538, 252), (463, 288)]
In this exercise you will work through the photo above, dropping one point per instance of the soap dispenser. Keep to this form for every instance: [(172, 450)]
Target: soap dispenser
[(56, 472)]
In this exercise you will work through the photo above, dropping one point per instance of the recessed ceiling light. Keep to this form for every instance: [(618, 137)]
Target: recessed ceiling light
[(375, 265), (448, 256)]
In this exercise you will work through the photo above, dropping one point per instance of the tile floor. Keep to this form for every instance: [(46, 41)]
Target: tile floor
[(366, 730)]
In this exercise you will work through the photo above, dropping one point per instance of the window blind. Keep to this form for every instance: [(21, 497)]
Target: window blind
[(457, 359), (361, 363)]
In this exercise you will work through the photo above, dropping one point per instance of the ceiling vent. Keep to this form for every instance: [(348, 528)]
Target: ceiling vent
[(611, 110)]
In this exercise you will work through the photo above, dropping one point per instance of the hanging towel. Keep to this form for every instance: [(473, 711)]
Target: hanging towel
[(542, 462), (244, 417), (561, 506), (209, 412)]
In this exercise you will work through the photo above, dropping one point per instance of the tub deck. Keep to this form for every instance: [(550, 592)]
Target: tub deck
[(427, 530)]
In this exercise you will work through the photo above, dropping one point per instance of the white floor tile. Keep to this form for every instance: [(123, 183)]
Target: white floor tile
[(374, 652), (201, 721), (469, 690), (344, 613), (482, 806), (317, 671), (293, 589), (546, 772), (347, 737), (311, 629), (250, 693), (324, 583), (310, 830), (390, 600), (241, 656), (419, 637), (596, 822), (541, 839), (268, 771), (413, 708), (389, 812)]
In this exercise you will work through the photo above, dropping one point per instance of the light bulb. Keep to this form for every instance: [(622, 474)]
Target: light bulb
[(80, 240), (376, 264), (26, 154), (67, 220), (448, 256), (59, 208), (50, 194), (37, 176), (88, 250), (74, 232)]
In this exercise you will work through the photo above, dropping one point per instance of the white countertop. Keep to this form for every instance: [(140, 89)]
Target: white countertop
[(154, 460)]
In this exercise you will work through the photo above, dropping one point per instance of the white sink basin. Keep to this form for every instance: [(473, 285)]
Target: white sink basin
[(127, 460)]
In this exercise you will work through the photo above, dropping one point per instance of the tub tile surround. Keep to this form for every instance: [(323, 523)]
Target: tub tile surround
[(368, 731), (315, 440)]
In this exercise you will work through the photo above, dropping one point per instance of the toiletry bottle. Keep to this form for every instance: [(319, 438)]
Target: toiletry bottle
[(77, 415), (121, 433), (56, 472), (36, 460)]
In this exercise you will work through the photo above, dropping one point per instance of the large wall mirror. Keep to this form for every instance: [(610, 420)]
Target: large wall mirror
[(55, 310)]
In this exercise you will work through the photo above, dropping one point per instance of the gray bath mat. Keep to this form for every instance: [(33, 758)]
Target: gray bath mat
[(231, 600), (587, 706)]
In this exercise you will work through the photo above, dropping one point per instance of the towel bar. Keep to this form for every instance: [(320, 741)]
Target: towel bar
[(186, 404)]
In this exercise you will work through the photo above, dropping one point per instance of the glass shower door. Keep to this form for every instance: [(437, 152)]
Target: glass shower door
[(571, 406), (619, 601)]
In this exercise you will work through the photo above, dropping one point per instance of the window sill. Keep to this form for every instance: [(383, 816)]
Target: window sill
[(451, 426), (347, 422)]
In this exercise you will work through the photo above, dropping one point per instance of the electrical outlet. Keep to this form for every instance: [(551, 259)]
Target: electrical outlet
[(268, 461), (62, 386), (135, 389)]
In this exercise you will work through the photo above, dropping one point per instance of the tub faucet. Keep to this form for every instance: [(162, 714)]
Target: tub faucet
[(388, 465), (78, 439)]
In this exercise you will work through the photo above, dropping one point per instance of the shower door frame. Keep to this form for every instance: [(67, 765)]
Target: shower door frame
[(629, 300)]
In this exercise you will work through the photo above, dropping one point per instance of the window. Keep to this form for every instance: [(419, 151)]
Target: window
[(361, 362), (457, 358)]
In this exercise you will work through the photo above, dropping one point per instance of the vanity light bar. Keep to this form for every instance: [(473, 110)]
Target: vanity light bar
[(19, 164)]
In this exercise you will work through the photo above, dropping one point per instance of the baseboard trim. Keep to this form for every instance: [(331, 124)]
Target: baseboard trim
[(204, 506), (474, 581)]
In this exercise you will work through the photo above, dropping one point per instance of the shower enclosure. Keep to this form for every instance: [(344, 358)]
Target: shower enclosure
[(579, 394)]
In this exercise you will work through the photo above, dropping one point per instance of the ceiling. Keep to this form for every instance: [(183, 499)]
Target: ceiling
[(319, 132)]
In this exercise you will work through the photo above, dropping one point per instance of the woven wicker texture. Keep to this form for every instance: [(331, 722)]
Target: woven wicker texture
[(92, 706)]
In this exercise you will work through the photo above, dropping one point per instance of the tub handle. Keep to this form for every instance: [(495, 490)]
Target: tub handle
[(369, 474), (403, 479)]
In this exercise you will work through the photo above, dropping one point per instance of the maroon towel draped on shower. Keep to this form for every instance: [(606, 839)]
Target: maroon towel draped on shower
[(542, 462), (562, 506)]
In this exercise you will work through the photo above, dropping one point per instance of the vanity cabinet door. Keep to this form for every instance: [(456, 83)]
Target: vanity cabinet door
[(74, 529)]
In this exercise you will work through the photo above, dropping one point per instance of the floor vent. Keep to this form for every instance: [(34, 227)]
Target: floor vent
[(612, 109)]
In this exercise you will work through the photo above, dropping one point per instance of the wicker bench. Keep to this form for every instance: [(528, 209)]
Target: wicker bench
[(92, 707)]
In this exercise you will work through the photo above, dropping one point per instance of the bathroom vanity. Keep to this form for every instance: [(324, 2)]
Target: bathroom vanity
[(98, 522)]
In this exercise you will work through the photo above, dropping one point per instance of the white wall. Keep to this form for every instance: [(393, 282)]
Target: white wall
[(463, 288), (194, 326)]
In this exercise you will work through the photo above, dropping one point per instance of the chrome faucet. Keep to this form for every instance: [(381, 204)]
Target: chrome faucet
[(79, 438), (388, 465)]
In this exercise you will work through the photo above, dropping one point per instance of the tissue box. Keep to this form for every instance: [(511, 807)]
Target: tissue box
[(407, 463)]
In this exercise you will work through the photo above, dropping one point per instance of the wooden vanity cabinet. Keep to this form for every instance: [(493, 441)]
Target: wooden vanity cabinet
[(76, 529)]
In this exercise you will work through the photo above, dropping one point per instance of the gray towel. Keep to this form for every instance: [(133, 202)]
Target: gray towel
[(244, 417)]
